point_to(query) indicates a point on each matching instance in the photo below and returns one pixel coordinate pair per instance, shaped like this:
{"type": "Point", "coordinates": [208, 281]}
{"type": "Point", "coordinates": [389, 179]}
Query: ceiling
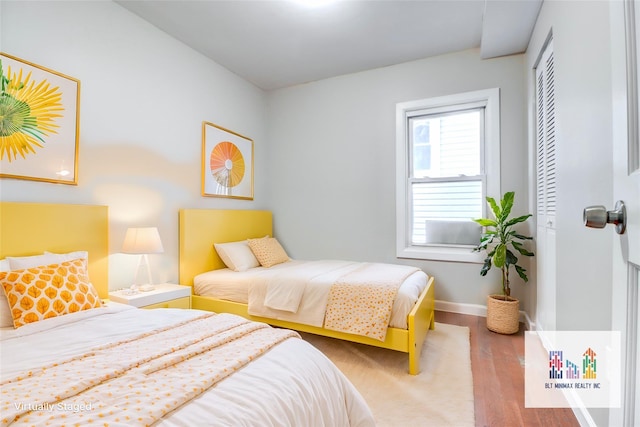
{"type": "Point", "coordinates": [275, 44]}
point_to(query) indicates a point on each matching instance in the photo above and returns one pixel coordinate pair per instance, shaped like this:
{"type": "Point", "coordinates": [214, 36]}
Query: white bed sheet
{"type": "Point", "coordinates": [236, 286]}
{"type": "Point", "coordinates": [292, 384]}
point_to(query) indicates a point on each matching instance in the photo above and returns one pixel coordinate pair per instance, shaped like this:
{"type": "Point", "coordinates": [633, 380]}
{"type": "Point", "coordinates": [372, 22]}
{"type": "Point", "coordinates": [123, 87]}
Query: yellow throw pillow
{"type": "Point", "coordinates": [48, 291]}
{"type": "Point", "coordinates": [268, 251]}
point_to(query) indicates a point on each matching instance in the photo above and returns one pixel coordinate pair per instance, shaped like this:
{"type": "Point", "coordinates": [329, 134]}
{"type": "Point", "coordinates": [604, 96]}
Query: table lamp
{"type": "Point", "coordinates": [143, 241]}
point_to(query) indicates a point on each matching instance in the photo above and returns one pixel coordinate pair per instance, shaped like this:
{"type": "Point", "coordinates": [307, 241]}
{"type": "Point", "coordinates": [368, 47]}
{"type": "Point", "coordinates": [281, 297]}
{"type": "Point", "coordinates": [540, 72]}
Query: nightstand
{"type": "Point", "coordinates": [165, 295]}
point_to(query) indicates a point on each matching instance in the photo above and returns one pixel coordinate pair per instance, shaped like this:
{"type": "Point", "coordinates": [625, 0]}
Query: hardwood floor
{"type": "Point", "coordinates": [497, 362]}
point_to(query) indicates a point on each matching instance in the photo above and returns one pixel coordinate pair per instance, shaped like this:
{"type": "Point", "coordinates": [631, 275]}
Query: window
{"type": "Point", "coordinates": [448, 160]}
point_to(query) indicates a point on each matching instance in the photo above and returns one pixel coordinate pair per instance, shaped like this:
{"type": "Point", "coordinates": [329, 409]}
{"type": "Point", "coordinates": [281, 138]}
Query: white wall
{"type": "Point", "coordinates": [325, 167]}
{"type": "Point", "coordinates": [332, 161]}
{"type": "Point", "coordinates": [581, 37]}
{"type": "Point", "coordinates": [144, 96]}
{"type": "Point", "coordinates": [583, 108]}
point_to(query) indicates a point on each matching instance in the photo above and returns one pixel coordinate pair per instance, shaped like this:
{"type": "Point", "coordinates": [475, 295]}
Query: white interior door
{"type": "Point", "coordinates": [625, 25]}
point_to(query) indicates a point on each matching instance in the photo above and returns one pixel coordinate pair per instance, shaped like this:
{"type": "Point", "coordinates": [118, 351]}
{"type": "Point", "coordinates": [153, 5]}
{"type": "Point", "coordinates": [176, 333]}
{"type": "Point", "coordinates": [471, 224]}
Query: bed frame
{"type": "Point", "coordinates": [201, 228]}
{"type": "Point", "coordinates": [32, 228]}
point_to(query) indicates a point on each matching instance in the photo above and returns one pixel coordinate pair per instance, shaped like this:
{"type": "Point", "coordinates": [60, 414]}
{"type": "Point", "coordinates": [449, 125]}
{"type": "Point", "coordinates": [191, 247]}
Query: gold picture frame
{"type": "Point", "coordinates": [227, 163]}
{"type": "Point", "coordinates": [40, 137]}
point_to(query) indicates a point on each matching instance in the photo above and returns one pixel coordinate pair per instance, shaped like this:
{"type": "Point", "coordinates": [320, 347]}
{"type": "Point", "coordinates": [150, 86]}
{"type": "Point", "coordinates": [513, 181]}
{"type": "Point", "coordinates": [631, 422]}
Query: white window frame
{"type": "Point", "coordinates": [404, 110]}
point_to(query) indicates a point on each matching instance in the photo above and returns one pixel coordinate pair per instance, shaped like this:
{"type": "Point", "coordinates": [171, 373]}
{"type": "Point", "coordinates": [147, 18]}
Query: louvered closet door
{"type": "Point", "coordinates": [546, 140]}
{"type": "Point", "coordinates": [546, 191]}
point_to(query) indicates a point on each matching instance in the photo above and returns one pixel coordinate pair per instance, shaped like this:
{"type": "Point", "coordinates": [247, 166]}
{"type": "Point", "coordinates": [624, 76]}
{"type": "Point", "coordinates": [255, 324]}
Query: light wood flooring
{"type": "Point", "coordinates": [497, 362]}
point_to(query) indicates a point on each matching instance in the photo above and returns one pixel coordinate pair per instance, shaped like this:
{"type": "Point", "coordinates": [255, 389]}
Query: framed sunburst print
{"type": "Point", "coordinates": [39, 122]}
{"type": "Point", "coordinates": [227, 163]}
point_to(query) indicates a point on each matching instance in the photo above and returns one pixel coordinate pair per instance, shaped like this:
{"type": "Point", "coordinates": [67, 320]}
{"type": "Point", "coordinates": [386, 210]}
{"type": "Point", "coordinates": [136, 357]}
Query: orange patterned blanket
{"type": "Point", "coordinates": [360, 302]}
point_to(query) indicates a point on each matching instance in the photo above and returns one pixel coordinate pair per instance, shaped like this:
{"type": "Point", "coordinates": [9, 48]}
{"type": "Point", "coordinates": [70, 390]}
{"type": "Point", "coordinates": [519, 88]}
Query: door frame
{"type": "Point", "coordinates": [626, 132]}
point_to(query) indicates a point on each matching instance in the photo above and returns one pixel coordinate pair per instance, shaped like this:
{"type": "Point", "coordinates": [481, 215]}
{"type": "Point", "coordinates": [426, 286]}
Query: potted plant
{"type": "Point", "coordinates": [501, 244]}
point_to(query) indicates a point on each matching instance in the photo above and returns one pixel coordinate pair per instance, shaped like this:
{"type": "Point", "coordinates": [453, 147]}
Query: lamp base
{"type": "Point", "coordinates": [143, 262]}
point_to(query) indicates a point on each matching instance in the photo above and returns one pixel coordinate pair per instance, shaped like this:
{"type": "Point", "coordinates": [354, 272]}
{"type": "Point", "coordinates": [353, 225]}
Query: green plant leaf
{"type": "Point", "coordinates": [520, 236]}
{"type": "Point", "coordinates": [521, 249]}
{"type": "Point", "coordinates": [486, 239]}
{"type": "Point", "coordinates": [486, 222]}
{"type": "Point", "coordinates": [486, 266]}
{"type": "Point", "coordinates": [488, 235]}
{"type": "Point", "coordinates": [514, 221]}
{"type": "Point", "coordinates": [500, 255]}
{"type": "Point", "coordinates": [510, 258]}
{"type": "Point", "coordinates": [494, 207]}
{"type": "Point", "coordinates": [506, 203]}
{"type": "Point", "coordinates": [480, 247]}
{"type": "Point", "coordinates": [521, 273]}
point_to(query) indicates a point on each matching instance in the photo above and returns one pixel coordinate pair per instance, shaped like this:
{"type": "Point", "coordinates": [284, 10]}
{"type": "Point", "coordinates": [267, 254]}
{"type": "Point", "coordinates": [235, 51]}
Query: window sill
{"type": "Point", "coordinates": [441, 253]}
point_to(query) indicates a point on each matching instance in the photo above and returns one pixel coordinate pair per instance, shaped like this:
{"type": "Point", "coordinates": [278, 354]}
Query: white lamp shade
{"type": "Point", "coordinates": [143, 240]}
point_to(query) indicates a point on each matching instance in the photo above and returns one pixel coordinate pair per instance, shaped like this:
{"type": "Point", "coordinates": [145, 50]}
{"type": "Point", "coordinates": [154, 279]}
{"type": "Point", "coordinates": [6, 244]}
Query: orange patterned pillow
{"type": "Point", "coordinates": [48, 291]}
{"type": "Point", "coordinates": [268, 251]}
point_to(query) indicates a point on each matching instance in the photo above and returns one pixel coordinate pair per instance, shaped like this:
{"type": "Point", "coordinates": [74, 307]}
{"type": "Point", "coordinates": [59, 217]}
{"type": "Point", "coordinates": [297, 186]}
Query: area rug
{"type": "Point", "coordinates": [441, 395]}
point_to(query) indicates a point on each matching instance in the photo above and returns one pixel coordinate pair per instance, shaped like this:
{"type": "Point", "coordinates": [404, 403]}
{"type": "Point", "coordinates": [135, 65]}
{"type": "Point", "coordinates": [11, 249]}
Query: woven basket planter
{"type": "Point", "coordinates": [503, 316]}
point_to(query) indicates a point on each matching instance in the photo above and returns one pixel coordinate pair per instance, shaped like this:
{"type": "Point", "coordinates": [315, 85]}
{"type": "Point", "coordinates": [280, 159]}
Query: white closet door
{"type": "Point", "coordinates": [546, 190]}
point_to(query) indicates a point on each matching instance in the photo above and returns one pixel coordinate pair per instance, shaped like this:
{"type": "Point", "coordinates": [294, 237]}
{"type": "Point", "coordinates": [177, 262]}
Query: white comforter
{"type": "Point", "coordinates": [307, 302]}
{"type": "Point", "coordinates": [291, 384]}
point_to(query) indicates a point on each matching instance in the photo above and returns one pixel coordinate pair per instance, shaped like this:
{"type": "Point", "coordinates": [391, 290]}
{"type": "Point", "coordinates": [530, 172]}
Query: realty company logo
{"type": "Point", "coordinates": [566, 369]}
{"type": "Point", "coordinates": [561, 368]}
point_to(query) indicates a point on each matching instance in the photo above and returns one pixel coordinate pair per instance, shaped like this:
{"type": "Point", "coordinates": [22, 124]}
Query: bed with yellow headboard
{"type": "Point", "coordinates": [116, 351]}
{"type": "Point", "coordinates": [199, 229]}
{"type": "Point", "coordinates": [32, 228]}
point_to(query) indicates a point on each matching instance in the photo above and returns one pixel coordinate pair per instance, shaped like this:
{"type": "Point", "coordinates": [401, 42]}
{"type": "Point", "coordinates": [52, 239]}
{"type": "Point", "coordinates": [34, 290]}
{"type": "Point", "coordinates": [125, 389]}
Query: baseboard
{"type": "Point", "coordinates": [478, 310]}
{"type": "Point", "coordinates": [584, 417]}
{"type": "Point", "coordinates": [461, 308]}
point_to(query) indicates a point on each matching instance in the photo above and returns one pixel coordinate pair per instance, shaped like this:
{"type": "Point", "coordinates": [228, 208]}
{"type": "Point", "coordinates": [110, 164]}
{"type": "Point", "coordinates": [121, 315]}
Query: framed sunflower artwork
{"type": "Point", "coordinates": [227, 163]}
{"type": "Point", "coordinates": [39, 122]}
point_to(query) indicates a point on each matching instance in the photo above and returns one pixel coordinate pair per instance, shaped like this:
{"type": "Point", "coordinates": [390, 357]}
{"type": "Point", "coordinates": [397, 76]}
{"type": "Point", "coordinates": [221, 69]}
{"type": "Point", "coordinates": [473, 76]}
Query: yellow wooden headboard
{"type": "Point", "coordinates": [32, 228]}
{"type": "Point", "coordinates": [201, 228]}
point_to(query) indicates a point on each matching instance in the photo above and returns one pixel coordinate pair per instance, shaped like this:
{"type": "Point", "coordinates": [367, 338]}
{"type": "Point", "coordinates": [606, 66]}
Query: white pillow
{"type": "Point", "coordinates": [69, 256]}
{"type": "Point", "coordinates": [237, 255]}
{"type": "Point", "coordinates": [21, 263]}
{"type": "Point", "coordinates": [6, 319]}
